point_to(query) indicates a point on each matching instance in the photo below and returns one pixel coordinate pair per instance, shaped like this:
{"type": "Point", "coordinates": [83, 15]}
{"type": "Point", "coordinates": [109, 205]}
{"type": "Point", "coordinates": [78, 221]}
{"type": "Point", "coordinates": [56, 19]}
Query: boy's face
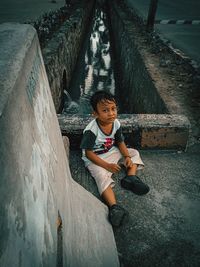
{"type": "Point", "coordinates": [106, 111]}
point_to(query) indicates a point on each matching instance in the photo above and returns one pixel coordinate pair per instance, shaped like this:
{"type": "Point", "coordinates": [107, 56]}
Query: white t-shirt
{"type": "Point", "coordinates": [99, 142]}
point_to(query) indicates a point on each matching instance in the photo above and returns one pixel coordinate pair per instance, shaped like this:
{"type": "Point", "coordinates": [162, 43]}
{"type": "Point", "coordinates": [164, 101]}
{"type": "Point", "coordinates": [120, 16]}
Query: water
{"type": "Point", "coordinates": [94, 68]}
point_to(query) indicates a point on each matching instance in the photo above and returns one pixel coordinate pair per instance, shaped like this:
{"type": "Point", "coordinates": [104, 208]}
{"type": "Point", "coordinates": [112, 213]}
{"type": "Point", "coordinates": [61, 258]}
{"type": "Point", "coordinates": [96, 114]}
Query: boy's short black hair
{"type": "Point", "coordinates": [100, 96]}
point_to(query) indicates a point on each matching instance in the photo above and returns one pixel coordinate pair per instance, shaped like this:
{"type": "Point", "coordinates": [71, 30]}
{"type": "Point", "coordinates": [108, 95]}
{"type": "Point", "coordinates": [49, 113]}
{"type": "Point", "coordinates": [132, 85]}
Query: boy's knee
{"type": "Point", "coordinates": [133, 152]}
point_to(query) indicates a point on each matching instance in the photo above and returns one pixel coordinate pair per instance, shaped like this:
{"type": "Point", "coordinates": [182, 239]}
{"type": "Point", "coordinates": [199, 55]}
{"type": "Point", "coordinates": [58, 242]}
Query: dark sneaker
{"type": "Point", "coordinates": [134, 184]}
{"type": "Point", "coordinates": [117, 215]}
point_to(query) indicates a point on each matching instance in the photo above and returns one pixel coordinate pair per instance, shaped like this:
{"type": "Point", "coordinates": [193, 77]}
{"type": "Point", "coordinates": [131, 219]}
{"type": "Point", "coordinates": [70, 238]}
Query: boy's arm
{"type": "Point", "coordinates": [111, 167]}
{"type": "Point", "coordinates": [124, 151]}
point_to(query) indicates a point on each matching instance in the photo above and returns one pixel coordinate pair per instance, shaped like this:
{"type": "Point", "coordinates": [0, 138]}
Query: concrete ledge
{"type": "Point", "coordinates": [145, 131]}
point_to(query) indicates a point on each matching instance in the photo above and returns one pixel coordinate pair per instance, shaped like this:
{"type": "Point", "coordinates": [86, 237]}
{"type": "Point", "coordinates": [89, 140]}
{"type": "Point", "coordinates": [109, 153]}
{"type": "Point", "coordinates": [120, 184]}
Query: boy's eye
{"type": "Point", "coordinates": [107, 110]}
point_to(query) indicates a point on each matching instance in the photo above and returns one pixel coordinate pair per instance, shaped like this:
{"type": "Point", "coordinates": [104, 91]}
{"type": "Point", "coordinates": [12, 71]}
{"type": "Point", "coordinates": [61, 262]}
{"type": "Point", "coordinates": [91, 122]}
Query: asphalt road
{"type": "Point", "coordinates": [183, 37]}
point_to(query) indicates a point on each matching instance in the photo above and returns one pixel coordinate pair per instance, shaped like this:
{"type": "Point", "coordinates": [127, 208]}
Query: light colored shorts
{"type": "Point", "coordinates": [103, 177]}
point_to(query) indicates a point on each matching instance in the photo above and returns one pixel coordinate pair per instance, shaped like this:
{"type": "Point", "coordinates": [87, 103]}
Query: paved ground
{"type": "Point", "coordinates": [164, 228]}
{"type": "Point", "coordinates": [183, 37]}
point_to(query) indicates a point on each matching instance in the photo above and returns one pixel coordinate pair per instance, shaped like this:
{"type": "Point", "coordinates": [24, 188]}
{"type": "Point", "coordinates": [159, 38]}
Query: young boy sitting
{"type": "Point", "coordinates": [103, 146]}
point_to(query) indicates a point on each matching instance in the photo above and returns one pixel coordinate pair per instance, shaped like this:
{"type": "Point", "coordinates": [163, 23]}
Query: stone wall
{"type": "Point", "coordinates": [36, 186]}
{"type": "Point", "coordinates": [61, 52]}
{"type": "Point", "coordinates": [137, 91]}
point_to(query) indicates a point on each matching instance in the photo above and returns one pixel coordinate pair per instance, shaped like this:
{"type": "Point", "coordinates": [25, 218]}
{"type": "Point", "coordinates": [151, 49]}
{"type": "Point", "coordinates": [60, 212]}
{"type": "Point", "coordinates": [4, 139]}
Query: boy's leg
{"type": "Point", "coordinates": [132, 170]}
{"type": "Point", "coordinates": [131, 181]}
{"type": "Point", "coordinates": [101, 176]}
{"type": "Point", "coordinates": [117, 214]}
{"type": "Point", "coordinates": [137, 161]}
{"type": "Point", "coordinates": [109, 196]}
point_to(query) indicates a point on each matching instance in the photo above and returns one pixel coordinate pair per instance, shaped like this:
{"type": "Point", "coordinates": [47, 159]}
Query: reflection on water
{"type": "Point", "coordinates": [94, 68]}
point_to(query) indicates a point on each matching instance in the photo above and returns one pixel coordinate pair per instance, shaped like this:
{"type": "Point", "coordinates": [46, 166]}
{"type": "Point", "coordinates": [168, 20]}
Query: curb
{"type": "Point", "coordinates": [144, 131]}
{"type": "Point", "coordinates": [177, 22]}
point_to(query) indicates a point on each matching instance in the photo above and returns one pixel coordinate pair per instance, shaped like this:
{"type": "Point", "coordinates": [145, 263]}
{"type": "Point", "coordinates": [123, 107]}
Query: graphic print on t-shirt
{"type": "Point", "coordinates": [106, 146]}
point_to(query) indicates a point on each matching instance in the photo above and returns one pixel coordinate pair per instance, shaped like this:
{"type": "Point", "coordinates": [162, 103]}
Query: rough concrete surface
{"type": "Point", "coordinates": [163, 228]}
{"type": "Point", "coordinates": [35, 180]}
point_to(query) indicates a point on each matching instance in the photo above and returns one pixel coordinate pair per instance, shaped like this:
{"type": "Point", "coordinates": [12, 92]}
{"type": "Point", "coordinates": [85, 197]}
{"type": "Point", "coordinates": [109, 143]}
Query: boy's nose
{"type": "Point", "coordinates": [111, 113]}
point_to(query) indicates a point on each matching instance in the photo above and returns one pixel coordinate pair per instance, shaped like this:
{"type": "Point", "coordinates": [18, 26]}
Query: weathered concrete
{"type": "Point", "coordinates": [61, 52]}
{"type": "Point", "coordinates": [35, 181]}
{"type": "Point", "coordinates": [150, 131]}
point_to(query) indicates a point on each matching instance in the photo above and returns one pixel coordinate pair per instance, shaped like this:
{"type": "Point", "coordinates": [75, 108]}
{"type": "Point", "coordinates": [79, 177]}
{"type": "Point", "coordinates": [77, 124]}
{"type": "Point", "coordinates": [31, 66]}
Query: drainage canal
{"type": "Point", "coordinates": [94, 69]}
{"type": "Point", "coordinates": [128, 78]}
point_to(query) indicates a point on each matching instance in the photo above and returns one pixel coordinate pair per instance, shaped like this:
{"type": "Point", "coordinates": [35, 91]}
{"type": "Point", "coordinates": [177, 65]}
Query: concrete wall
{"type": "Point", "coordinates": [35, 179]}
{"type": "Point", "coordinates": [137, 91]}
{"type": "Point", "coordinates": [61, 53]}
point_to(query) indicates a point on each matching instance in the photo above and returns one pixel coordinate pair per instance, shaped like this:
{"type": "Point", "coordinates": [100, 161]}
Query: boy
{"type": "Point", "coordinates": [103, 146]}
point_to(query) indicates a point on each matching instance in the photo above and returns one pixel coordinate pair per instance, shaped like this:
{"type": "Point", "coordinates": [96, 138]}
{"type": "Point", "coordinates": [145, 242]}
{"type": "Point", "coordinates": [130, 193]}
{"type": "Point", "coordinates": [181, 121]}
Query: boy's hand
{"type": "Point", "coordinates": [112, 167]}
{"type": "Point", "coordinates": [128, 162]}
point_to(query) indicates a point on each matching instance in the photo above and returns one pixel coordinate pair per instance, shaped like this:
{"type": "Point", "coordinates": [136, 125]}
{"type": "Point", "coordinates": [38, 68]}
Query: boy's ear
{"type": "Point", "coordinates": [94, 114]}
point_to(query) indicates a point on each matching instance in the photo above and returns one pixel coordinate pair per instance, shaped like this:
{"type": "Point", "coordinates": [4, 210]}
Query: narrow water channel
{"type": "Point", "coordinates": [94, 69]}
